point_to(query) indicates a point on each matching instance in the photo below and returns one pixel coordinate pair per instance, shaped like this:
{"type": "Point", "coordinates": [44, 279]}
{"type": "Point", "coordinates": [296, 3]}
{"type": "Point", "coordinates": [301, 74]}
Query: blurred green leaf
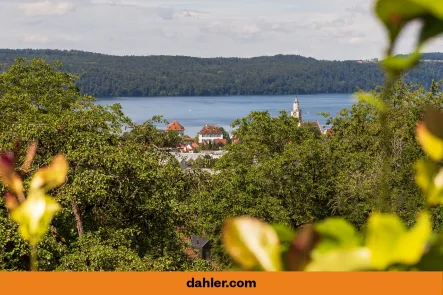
{"type": "Point", "coordinates": [430, 180]}
{"type": "Point", "coordinates": [252, 243]}
{"type": "Point", "coordinates": [284, 233]}
{"type": "Point", "coordinates": [357, 259]}
{"type": "Point", "coordinates": [34, 216]}
{"type": "Point", "coordinates": [398, 64]}
{"type": "Point", "coordinates": [430, 134]}
{"type": "Point", "coordinates": [396, 13]}
{"type": "Point", "coordinates": [336, 233]}
{"type": "Point", "coordinates": [390, 242]}
{"type": "Point", "coordinates": [434, 7]}
{"type": "Point", "coordinates": [51, 176]}
{"type": "Point", "coordinates": [432, 27]}
{"type": "Point", "coordinates": [372, 100]}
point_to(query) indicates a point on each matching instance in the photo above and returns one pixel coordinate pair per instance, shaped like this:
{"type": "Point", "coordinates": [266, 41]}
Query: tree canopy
{"type": "Point", "coordinates": [121, 197]}
{"type": "Point", "coordinates": [110, 76]}
{"type": "Point", "coordinates": [127, 204]}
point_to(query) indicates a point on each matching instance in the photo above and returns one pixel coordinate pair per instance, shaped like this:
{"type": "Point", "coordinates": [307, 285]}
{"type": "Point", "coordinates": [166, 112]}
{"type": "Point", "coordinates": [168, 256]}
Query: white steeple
{"type": "Point", "coordinates": [296, 112]}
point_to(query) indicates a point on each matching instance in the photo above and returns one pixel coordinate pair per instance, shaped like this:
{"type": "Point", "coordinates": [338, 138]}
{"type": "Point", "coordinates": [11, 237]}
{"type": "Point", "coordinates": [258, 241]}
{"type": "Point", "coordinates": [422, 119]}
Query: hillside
{"type": "Point", "coordinates": [104, 75]}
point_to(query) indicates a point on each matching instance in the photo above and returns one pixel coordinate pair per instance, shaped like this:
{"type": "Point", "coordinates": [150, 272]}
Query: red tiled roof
{"type": "Point", "coordinates": [223, 141]}
{"type": "Point", "coordinates": [194, 145]}
{"type": "Point", "coordinates": [175, 126]}
{"type": "Point", "coordinates": [210, 129]}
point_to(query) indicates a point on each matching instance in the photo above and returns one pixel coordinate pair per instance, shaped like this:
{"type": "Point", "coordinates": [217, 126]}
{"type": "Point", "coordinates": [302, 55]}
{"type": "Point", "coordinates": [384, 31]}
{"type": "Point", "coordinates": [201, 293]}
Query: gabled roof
{"type": "Point", "coordinates": [198, 242]}
{"type": "Point", "coordinates": [223, 141]}
{"type": "Point", "coordinates": [314, 125]}
{"type": "Point", "coordinates": [175, 126]}
{"type": "Point", "coordinates": [210, 129]}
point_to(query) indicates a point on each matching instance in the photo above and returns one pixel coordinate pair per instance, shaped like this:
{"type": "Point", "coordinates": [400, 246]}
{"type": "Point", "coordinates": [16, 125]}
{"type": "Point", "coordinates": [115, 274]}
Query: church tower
{"type": "Point", "coordinates": [296, 112]}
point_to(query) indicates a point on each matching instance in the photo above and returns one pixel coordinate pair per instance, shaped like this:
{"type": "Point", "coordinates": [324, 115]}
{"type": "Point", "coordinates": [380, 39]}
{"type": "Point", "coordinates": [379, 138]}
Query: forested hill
{"type": "Point", "coordinates": [104, 75]}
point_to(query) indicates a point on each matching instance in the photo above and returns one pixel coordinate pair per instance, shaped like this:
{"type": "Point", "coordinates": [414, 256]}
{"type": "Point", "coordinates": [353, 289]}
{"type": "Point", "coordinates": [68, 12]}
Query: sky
{"type": "Point", "coordinates": [323, 29]}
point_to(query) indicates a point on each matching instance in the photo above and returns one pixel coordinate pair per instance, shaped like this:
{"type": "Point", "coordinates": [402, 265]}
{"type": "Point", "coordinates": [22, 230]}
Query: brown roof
{"type": "Point", "coordinates": [223, 141]}
{"type": "Point", "coordinates": [210, 129]}
{"type": "Point", "coordinates": [175, 126]}
{"type": "Point", "coordinates": [313, 124]}
{"type": "Point", "coordinates": [194, 145]}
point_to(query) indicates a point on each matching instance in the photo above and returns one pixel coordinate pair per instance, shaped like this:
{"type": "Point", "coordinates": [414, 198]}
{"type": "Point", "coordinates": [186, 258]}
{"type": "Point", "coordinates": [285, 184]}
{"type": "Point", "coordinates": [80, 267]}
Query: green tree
{"type": "Point", "coordinates": [112, 183]}
{"type": "Point", "coordinates": [148, 134]}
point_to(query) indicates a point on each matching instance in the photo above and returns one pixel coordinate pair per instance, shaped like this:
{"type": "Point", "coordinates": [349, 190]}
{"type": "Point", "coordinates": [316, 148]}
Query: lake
{"type": "Point", "coordinates": [195, 112]}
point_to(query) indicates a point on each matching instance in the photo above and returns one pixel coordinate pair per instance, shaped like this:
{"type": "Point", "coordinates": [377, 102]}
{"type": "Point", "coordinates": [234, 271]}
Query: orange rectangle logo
{"type": "Point", "coordinates": [222, 283]}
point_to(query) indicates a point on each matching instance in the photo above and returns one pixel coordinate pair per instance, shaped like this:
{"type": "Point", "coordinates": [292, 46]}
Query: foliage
{"type": "Point", "coordinates": [205, 162]}
{"type": "Point", "coordinates": [386, 243]}
{"type": "Point", "coordinates": [114, 182]}
{"type": "Point", "coordinates": [148, 134]}
{"type": "Point", "coordinates": [34, 213]}
{"type": "Point", "coordinates": [106, 76]}
{"type": "Point", "coordinates": [354, 195]}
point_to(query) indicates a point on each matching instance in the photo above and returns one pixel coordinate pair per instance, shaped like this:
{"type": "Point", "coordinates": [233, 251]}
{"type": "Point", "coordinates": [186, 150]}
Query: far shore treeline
{"type": "Point", "coordinates": [112, 76]}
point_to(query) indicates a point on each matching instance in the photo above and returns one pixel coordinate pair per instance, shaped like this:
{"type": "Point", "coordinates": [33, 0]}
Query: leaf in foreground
{"type": "Point", "coordinates": [252, 243]}
{"type": "Point", "coordinates": [357, 259]}
{"type": "Point", "coordinates": [51, 176]}
{"type": "Point", "coordinates": [430, 134]}
{"type": "Point", "coordinates": [430, 179]}
{"type": "Point", "coordinates": [34, 217]}
{"type": "Point", "coordinates": [390, 242]}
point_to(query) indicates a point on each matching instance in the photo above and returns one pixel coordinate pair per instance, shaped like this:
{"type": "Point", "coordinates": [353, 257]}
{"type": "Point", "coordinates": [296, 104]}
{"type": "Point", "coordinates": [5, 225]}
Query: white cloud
{"type": "Point", "coordinates": [356, 40]}
{"type": "Point", "coordinates": [324, 29]}
{"type": "Point", "coordinates": [36, 39]}
{"type": "Point", "coordinates": [46, 7]}
{"type": "Point", "coordinates": [193, 14]}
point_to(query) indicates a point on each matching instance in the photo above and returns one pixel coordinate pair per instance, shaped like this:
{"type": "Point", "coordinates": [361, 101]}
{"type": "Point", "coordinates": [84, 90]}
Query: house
{"type": "Point", "coordinates": [188, 148]}
{"type": "Point", "coordinates": [210, 133]}
{"type": "Point", "coordinates": [175, 126]}
{"type": "Point", "coordinates": [315, 125]}
{"type": "Point", "coordinates": [203, 247]}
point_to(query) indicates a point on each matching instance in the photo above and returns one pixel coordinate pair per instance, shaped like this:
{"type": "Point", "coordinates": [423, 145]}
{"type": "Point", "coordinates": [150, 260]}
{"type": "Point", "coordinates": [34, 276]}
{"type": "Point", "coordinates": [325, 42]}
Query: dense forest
{"type": "Point", "coordinates": [128, 206]}
{"type": "Point", "coordinates": [108, 76]}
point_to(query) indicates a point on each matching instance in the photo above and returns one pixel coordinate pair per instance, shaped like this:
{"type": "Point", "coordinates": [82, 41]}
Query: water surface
{"type": "Point", "coordinates": [195, 112]}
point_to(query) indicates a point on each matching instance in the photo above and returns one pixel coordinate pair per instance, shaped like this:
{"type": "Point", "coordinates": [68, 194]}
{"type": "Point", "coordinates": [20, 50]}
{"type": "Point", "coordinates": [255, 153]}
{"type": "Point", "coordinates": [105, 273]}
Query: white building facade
{"type": "Point", "coordinates": [209, 133]}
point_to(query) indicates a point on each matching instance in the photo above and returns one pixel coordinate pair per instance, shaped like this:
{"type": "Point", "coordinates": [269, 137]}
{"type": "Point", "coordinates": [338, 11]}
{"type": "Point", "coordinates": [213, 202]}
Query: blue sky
{"type": "Point", "coordinates": [324, 29]}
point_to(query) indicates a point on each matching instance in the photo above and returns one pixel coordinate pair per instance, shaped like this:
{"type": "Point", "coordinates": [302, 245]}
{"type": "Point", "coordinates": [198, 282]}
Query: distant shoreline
{"type": "Point", "coordinates": [177, 76]}
{"type": "Point", "coordinates": [215, 96]}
